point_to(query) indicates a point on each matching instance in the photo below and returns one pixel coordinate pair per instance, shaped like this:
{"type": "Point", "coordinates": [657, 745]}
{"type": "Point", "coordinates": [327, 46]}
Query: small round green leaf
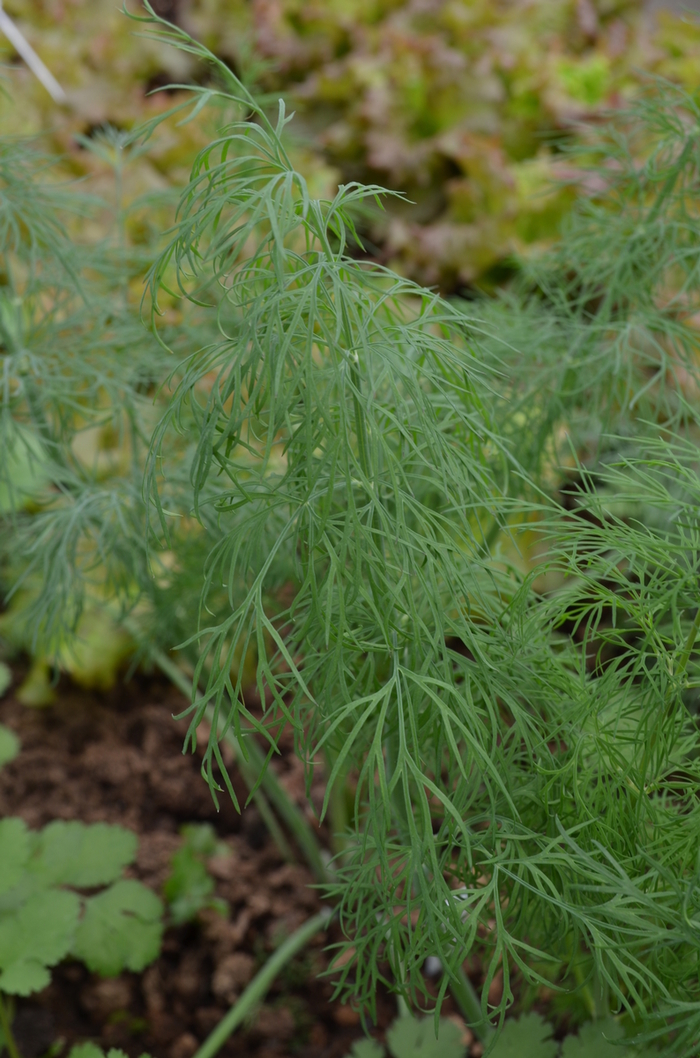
{"type": "Point", "coordinates": [189, 886]}
{"type": "Point", "coordinates": [411, 1037]}
{"type": "Point", "coordinates": [121, 929]}
{"type": "Point", "coordinates": [594, 1041]}
{"type": "Point", "coordinates": [23, 977]}
{"type": "Point", "coordinates": [91, 1050]}
{"type": "Point", "coordinates": [75, 854]}
{"type": "Point", "coordinates": [87, 1050]}
{"type": "Point", "coordinates": [367, 1049]}
{"type": "Point", "coordinates": [528, 1036]}
{"type": "Point", "coordinates": [41, 930]}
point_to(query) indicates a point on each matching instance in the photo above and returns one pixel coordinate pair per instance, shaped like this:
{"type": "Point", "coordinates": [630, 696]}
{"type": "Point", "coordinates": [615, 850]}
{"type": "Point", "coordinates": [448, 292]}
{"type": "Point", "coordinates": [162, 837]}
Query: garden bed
{"type": "Point", "coordinates": [117, 758]}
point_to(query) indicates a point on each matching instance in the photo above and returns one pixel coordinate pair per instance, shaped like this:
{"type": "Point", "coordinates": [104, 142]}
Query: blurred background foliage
{"type": "Point", "coordinates": [465, 105]}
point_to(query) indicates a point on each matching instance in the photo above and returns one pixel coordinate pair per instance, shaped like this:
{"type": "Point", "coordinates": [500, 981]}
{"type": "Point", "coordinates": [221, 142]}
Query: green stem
{"type": "Point", "coordinates": [290, 813]}
{"type": "Point", "coordinates": [689, 644]}
{"type": "Point", "coordinates": [469, 1003]}
{"type": "Point", "coordinates": [257, 988]}
{"type": "Point", "coordinates": [338, 809]}
{"type": "Point", "coordinates": [585, 990]}
{"type": "Point", "coordinates": [670, 181]}
{"type": "Point", "coordinates": [251, 769]}
{"type": "Point", "coordinates": [178, 677]}
{"type": "Point", "coordinates": [267, 815]}
{"type": "Point", "coordinates": [601, 997]}
{"type": "Point", "coordinates": [7, 1030]}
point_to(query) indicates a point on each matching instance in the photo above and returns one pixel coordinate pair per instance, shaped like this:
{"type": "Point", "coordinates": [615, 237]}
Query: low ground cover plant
{"type": "Point", "coordinates": [455, 545]}
{"type": "Point", "coordinates": [62, 894]}
{"type": "Point", "coordinates": [528, 1036]}
{"type": "Point", "coordinates": [42, 918]}
{"type": "Point", "coordinates": [189, 887]}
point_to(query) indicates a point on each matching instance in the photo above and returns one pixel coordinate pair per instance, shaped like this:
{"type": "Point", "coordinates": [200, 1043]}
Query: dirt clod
{"type": "Point", "coordinates": [232, 975]}
{"type": "Point", "coordinates": [184, 1046]}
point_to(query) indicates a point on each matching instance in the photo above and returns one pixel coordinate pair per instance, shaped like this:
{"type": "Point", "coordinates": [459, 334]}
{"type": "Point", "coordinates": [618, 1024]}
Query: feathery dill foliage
{"type": "Point", "coordinates": [78, 374]}
{"type": "Point", "coordinates": [462, 546]}
{"type": "Point", "coordinates": [65, 370]}
{"type": "Point", "coordinates": [523, 744]}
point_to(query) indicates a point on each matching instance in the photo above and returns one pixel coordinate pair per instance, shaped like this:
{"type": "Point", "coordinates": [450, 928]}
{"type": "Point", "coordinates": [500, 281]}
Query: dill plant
{"type": "Point", "coordinates": [503, 665]}
{"type": "Point", "coordinates": [460, 544]}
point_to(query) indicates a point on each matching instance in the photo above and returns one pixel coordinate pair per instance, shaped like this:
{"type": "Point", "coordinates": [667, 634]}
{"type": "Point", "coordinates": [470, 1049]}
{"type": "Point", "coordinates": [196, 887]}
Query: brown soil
{"type": "Point", "coordinates": [117, 758]}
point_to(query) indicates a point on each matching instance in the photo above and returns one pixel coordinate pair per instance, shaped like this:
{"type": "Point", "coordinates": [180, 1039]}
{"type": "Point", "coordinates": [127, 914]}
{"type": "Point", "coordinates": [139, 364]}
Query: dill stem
{"type": "Point", "coordinates": [680, 670]}
{"type": "Point", "coordinates": [402, 1007]}
{"type": "Point", "coordinates": [180, 680]}
{"type": "Point", "coordinates": [257, 988]}
{"type": "Point", "coordinates": [251, 771]}
{"type": "Point", "coordinates": [689, 644]}
{"type": "Point", "coordinates": [670, 181]}
{"type": "Point", "coordinates": [287, 809]}
{"type": "Point", "coordinates": [468, 1002]}
{"type": "Point", "coordinates": [6, 1028]}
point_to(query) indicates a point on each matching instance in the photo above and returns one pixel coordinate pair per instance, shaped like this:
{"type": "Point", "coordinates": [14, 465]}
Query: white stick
{"type": "Point", "coordinates": [26, 51]}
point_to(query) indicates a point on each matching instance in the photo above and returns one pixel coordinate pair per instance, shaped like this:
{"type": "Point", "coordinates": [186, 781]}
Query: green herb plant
{"type": "Point", "coordinates": [189, 887]}
{"type": "Point", "coordinates": [43, 919]}
{"type": "Point", "coordinates": [79, 372]}
{"type": "Point", "coordinates": [514, 731]}
{"type": "Point", "coordinates": [528, 1036]}
{"type": "Point", "coordinates": [91, 1050]}
{"type": "Point", "coordinates": [458, 542]}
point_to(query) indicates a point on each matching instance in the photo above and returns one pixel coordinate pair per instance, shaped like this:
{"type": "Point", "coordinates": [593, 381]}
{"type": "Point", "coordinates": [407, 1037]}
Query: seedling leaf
{"type": "Point", "coordinates": [121, 929]}
{"type": "Point", "coordinates": [201, 838]}
{"type": "Point", "coordinates": [593, 1041]}
{"type": "Point", "coordinates": [411, 1037]}
{"type": "Point", "coordinates": [189, 887]}
{"type": "Point", "coordinates": [39, 934]}
{"type": "Point", "coordinates": [84, 856]}
{"type": "Point", "coordinates": [528, 1036]}
{"type": "Point", "coordinates": [91, 1050]}
{"type": "Point", "coordinates": [14, 852]}
{"type": "Point", "coordinates": [23, 977]}
{"type": "Point", "coordinates": [367, 1049]}
{"type": "Point", "coordinates": [88, 1050]}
